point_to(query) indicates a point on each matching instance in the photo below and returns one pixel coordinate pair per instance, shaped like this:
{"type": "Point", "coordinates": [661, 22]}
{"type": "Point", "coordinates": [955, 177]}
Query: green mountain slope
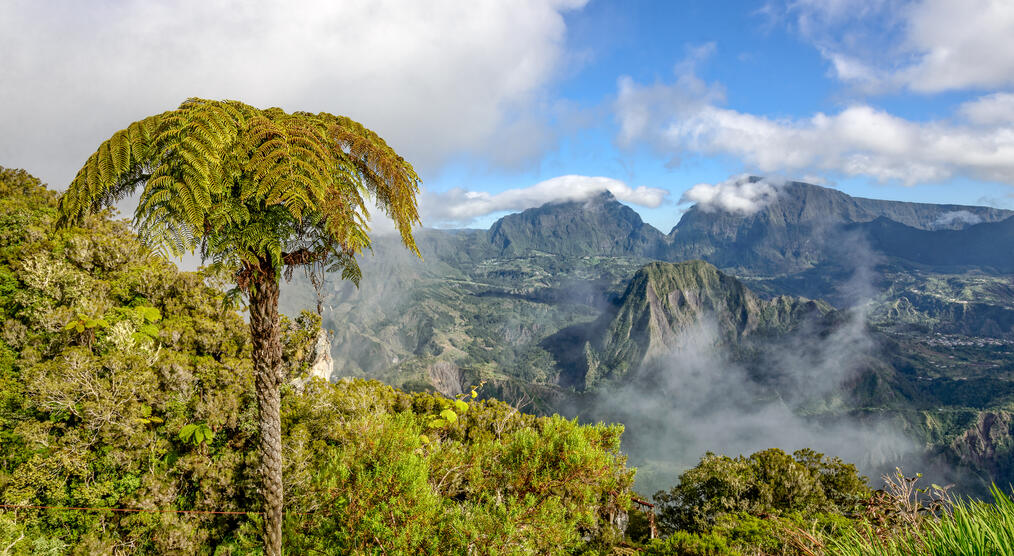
{"type": "Point", "coordinates": [556, 306]}
{"type": "Point", "coordinates": [664, 300]}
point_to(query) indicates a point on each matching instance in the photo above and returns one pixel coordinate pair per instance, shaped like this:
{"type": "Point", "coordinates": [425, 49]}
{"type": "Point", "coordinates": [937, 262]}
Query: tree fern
{"type": "Point", "coordinates": [259, 191]}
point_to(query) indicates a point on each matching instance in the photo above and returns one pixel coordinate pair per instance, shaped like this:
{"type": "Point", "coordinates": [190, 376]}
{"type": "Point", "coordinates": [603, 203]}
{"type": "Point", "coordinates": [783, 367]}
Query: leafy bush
{"type": "Point", "coordinates": [683, 543]}
{"type": "Point", "coordinates": [769, 482]}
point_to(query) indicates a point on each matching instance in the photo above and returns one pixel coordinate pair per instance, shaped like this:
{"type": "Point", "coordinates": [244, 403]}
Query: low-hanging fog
{"type": "Point", "coordinates": [790, 392]}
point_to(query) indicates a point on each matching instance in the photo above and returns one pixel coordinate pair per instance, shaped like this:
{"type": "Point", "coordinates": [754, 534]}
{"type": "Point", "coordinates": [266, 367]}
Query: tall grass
{"type": "Point", "coordinates": [966, 528]}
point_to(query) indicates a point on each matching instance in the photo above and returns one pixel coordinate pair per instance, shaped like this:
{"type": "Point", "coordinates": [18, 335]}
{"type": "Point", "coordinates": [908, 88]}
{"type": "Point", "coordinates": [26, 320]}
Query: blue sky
{"type": "Point", "coordinates": [506, 105]}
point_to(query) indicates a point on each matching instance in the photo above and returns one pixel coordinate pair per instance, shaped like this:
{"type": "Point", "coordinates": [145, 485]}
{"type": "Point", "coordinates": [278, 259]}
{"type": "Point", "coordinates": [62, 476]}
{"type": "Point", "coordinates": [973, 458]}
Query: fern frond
{"type": "Point", "coordinates": [243, 184]}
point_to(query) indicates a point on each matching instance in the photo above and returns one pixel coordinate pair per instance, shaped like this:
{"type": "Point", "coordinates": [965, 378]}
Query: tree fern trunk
{"type": "Point", "coordinates": [265, 332]}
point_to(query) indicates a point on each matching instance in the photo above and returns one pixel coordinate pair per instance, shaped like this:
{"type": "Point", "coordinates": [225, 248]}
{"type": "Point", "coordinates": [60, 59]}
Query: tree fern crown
{"type": "Point", "coordinates": [244, 185]}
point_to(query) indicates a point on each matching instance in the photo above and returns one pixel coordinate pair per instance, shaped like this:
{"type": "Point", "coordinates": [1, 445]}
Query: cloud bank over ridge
{"type": "Point", "coordinates": [739, 194]}
{"type": "Point", "coordinates": [462, 207]}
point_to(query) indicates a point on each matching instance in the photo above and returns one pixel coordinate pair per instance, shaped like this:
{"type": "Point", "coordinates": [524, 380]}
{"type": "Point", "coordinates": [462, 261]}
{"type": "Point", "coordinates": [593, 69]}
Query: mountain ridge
{"type": "Point", "coordinates": [664, 301]}
{"type": "Point", "coordinates": [600, 225]}
{"type": "Point", "coordinates": [791, 233]}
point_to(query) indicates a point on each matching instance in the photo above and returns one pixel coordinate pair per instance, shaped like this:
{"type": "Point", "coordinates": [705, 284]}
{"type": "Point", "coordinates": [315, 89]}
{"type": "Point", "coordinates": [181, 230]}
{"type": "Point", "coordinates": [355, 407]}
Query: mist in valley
{"type": "Point", "coordinates": [789, 392]}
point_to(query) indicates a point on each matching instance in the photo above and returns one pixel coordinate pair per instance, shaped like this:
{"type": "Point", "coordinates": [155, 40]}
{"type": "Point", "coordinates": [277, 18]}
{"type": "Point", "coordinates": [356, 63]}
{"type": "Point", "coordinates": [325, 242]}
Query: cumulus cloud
{"type": "Point", "coordinates": [960, 44]}
{"type": "Point", "coordinates": [461, 207]}
{"type": "Point", "coordinates": [926, 46]}
{"type": "Point", "coordinates": [859, 140]}
{"type": "Point", "coordinates": [994, 109]}
{"type": "Point", "coordinates": [956, 219]}
{"type": "Point", "coordinates": [435, 79]}
{"type": "Point", "coordinates": [740, 194]}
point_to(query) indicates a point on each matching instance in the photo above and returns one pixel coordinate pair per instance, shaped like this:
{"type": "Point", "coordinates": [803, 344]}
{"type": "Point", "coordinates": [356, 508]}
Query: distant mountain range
{"type": "Point", "coordinates": [789, 234]}
{"type": "Point", "coordinates": [563, 304]}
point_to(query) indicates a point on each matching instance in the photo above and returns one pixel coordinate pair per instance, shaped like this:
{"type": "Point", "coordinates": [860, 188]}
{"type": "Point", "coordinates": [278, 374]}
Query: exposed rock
{"type": "Point", "coordinates": [323, 364]}
{"type": "Point", "coordinates": [988, 444]}
{"type": "Point", "coordinates": [446, 377]}
{"type": "Point", "coordinates": [597, 226]}
{"type": "Point", "coordinates": [664, 301]}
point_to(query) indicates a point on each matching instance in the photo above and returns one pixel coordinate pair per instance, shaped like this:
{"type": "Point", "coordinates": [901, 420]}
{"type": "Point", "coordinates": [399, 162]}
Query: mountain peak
{"type": "Point", "coordinates": [667, 305]}
{"type": "Point", "coordinates": [599, 225]}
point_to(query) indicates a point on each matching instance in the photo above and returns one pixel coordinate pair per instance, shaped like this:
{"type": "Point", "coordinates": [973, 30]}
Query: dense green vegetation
{"type": "Point", "coordinates": [768, 483]}
{"type": "Point", "coordinates": [760, 503]}
{"type": "Point", "coordinates": [774, 503]}
{"type": "Point", "coordinates": [129, 384]}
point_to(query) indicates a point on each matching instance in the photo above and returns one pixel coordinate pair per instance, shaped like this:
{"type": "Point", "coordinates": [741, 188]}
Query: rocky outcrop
{"type": "Point", "coordinates": [446, 378]}
{"type": "Point", "coordinates": [664, 304]}
{"type": "Point", "coordinates": [323, 364]}
{"type": "Point", "coordinates": [988, 445]}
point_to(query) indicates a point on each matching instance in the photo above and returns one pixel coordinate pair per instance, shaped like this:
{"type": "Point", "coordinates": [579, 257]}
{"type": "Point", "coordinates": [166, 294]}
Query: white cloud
{"type": "Point", "coordinates": [961, 44]}
{"type": "Point", "coordinates": [926, 46]}
{"type": "Point", "coordinates": [739, 194]}
{"type": "Point", "coordinates": [640, 104]}
{"type": "Point", "coordinates": [857, 141]}
{"type": "Point", "coordinates": [436, 79]}
{"type": "Point", "coordinates": [461, 207]}
{"type": "Point", "coordinates": [997, 108]}
{"type": "Point", "coordinates": [956, 219]}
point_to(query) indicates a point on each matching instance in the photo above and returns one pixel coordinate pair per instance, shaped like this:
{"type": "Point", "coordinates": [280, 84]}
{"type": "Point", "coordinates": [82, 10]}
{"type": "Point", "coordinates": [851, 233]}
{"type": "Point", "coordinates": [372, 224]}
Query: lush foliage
{"type": "Point", "coordinates": [245, 184]}
{"type": "Point", "coordinates": [805, 504]}
{"type": "Point", "coordinates": [770, 482]}
{"type": "Point", "coordinates": [260, 192]}
{"type": "Point", "coordinates": [149, 404]}
{"type": "Point", "coordinates": [683, 543]}
{"type": "Point", "coordinates": [769, 502]}
{"type": "Point", "coordinates": [495, 478]}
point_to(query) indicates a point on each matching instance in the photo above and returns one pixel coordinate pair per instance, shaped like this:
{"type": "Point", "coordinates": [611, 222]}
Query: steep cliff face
{"type": "Point", "coordinates": [988, 446]}
{"type": "Point", "coordinates": [987, 244]}
{"type": "Point", "coordinates": [446, 378]}
{"type": "Point", "coordinates": [665, 302]}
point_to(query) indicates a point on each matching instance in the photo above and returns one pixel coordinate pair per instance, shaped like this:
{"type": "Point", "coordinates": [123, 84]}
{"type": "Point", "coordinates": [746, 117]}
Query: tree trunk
{"type": "Point", "coordinates": [266, 334]}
